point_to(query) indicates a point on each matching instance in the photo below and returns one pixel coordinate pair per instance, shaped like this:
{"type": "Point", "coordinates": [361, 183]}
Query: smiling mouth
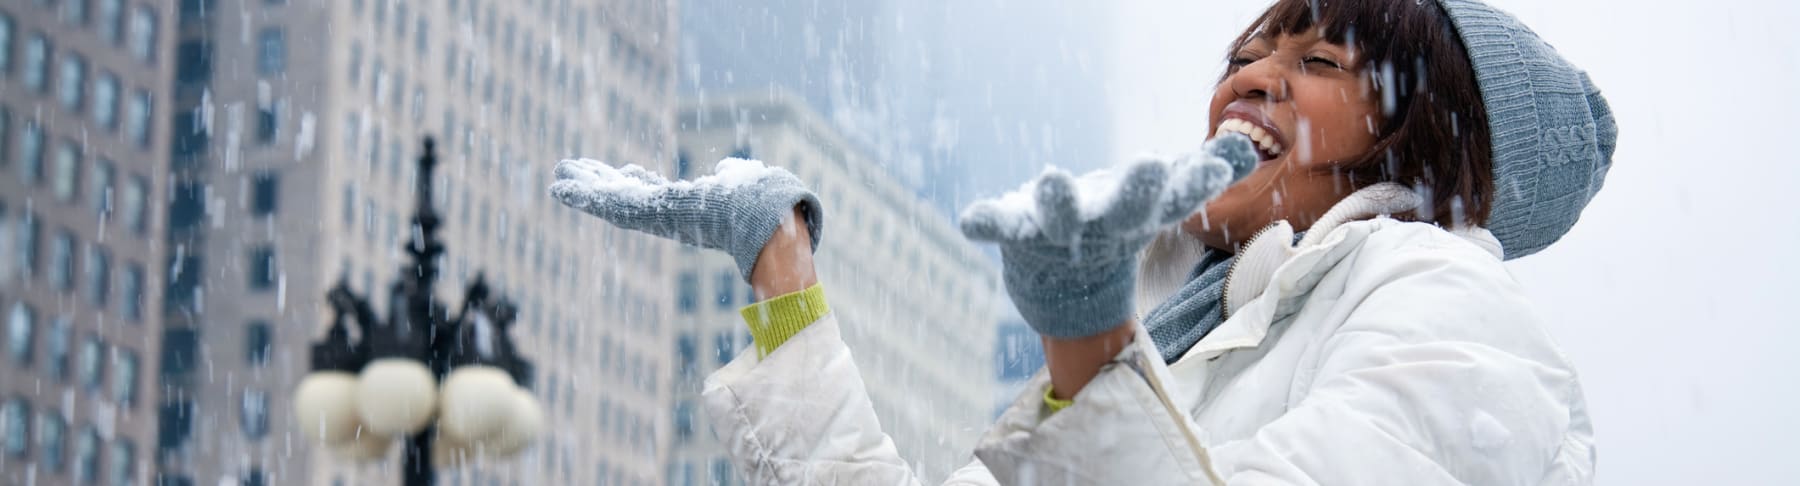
{"type": "Point", "coordinates": [1268, 145]}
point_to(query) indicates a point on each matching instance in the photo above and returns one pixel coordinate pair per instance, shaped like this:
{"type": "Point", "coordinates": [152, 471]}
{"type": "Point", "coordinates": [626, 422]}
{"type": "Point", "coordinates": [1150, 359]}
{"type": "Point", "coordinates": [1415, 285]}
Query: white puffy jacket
{"type": "Point", "coordinates": [1375, 351]}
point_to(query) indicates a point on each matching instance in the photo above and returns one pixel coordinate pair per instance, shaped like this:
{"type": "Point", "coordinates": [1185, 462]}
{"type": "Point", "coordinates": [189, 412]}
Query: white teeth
{"type": "Point", "coordinates": [1262, 137]}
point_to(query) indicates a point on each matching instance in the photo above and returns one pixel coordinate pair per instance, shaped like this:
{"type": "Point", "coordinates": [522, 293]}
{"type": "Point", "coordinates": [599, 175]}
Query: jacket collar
{"type": "Point", "coordinates": [1270, 272]}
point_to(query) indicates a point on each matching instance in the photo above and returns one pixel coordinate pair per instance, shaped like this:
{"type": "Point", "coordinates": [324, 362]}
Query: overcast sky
{"type": "Point", "coordinates": [1675, 294]}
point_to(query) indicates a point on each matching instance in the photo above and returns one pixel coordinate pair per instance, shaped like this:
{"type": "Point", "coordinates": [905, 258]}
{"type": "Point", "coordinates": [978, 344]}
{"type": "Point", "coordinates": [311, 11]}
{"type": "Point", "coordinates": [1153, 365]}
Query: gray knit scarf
{"type": "Point", "coordinates": [1179, 322]}
{"type": "Point", "coordinates": [1193, 311]}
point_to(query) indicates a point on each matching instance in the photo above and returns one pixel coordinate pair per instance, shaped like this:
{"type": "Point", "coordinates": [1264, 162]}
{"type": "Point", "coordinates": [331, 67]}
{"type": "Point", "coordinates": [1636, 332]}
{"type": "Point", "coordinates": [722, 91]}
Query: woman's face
{"type": "Point", "coordinates": [1309, 107]}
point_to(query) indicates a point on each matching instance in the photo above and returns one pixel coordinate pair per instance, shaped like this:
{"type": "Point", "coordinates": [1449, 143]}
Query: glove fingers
{"type": "Point", "coordinates": [1058, 207]}
{"type": "Point", "coordinates": [1196, 180]}
{"type": "Point", "coordinates": [1236, 151]}
{"type": "Point", "coordinates": [578, 170]}
{"type": "Point", "coordinates": [636, 172]}
{"type": "Point", "coordinates": [1138, 193]}
{"type": "Point", "coordinates": [574, 194]}
{"type": "Point", "coordinates": [986, 220]}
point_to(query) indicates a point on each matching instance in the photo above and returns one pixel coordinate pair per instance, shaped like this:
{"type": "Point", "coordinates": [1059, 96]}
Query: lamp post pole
{"type": "Point", "coordinates": [420, 328]}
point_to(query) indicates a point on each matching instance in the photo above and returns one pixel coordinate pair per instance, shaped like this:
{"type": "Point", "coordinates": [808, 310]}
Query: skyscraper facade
{"type": "Point", "coordinates": [84, 97]}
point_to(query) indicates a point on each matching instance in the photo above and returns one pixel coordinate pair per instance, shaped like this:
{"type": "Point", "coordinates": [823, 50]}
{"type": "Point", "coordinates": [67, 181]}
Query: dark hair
{"type": "Point", "coordinates": [1434, 136]}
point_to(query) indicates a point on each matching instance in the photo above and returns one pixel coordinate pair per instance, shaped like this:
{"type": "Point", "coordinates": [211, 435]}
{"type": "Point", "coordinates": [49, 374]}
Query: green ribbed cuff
{"type": "Point", "coordinates": [1054, 404]}
{"type": "Point", "coordinates": [775, 320]}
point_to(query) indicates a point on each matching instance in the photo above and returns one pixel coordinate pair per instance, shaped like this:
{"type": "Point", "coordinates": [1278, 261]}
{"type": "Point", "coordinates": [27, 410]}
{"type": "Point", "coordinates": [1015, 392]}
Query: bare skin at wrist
{"type": "Point", "coordinates": [1074, 362]}
{"type": "Point", "coordinates": [785, 264]}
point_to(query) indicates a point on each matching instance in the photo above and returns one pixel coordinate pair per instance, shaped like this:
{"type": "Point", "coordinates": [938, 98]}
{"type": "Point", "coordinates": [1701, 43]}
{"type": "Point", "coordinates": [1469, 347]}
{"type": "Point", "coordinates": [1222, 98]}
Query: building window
{"type": "Point", "coordinates": [257, 343]}
{"type": "Point", "coordinates": [264, 193]}
{"type": "Point", "coordinates": [37, 64]}
{"type": "Point", "coordinates": [137, 118]}
{"type": "Point", "coordinates": [122, 462]}
{"type": "Point", "coordinates": [726, 289]}
{"type": "Point", "coordinates": [98, 269]}
{"type": "Point", "coordinates": [133, 205]}
{"type": "Point", "coordinates": [90, 362]}
{"type": "Point", "coordinates": [193, 62]}
{"type": "Point", "coordinates": [21, 324]}
{"type": "Point", "coordinates": [75, 12]}
{"type": "Point", "coordinates": [62, 261]}
{"type": "Point", "coordinates": [687, 352]}
{"type": "Point", "coordinates": [72, 81]}
{"type": "Point", "coordinates": [254, 418]}
{"type": "Point", "coordinates": [268, 120]}
{"type": "Point", "coordinates": [15, 426]}
{"type": "Point", "coordinates": [87, 456]}
{"type": "Point", "coordinates": [6, 44]}
{"type": "Point", "coordinates": [125, 376]}
{"type": "Point", "coordinates": [272, 51]}
{"type": "Point", "coordinates": [254, 477]}
{"type": "Point", "coordinates": [687, 298]}
{"type": "Point", "coordinates": [106, 100]}
{"type": "Point", "coordinates": [68, 171]}
{"type": "Point", "coordinates": [56, 363]}
{"type": "Point", "coordinates": [112, 12]}
{"type": "Point", "coordinates": [349, 204]}
{"type": "Point", "coordinates": [262, 268]}
{"type": "Point", "coordinates": [31, 154]}
{"type": "Point", "coordinates": [131, 289]}
{"type": "Point", "coordinates": [356, 58]}
{"type": "Point", "coordinates": [721, 472]}
{"type": "Point", "coordinates": [684, 421]}
{"type": "Point", "coordinates": [28, 244]}
{"type": "Point", "coordinates": [50, 431]}
{"type": "Point", "coordinates": [724, 347]}
{"type": "Point", "coordinates": [100, 188]}
{"type": "Point", "coordinates": [143, 33]}
{"type": "Point", "coordinates": [180, 352]}
{"type": "Point", "coordinates": [421, 39]}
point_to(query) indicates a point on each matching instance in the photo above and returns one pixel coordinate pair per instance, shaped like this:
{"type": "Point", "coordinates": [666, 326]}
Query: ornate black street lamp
{"type": "Point", "coordinates": [453, 386]}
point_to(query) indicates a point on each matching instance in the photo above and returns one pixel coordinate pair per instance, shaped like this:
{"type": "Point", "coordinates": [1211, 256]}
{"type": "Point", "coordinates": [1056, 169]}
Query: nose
{"type": "Point", "coordinates": [1262, 80]}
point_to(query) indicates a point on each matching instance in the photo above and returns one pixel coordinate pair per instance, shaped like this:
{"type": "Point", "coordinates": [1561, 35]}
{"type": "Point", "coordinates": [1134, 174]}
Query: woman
{"type": "Point", "coordinates": [1340, 315]}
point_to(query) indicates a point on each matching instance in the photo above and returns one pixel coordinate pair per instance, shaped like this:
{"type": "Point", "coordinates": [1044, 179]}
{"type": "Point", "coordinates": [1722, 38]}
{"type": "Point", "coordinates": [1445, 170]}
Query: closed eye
{"type": "Point", "coordinates": [1320, 61]}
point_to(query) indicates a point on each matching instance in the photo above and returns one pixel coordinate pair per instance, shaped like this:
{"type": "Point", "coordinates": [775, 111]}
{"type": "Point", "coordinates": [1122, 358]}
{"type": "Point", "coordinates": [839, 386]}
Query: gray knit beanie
{"type": "Point", "coordinates": [1553, 134]}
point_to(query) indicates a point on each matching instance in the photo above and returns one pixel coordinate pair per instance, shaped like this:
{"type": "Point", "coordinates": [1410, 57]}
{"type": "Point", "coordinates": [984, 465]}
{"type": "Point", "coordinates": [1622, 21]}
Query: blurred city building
{"type": "Point", "coordinates": [186, 179]}
{"type": "Point", "coordinates": [84, 123]}
{"type": "Point", "coordinates": [1018, 355]}
{"type": "Point", "coordinates": [959, 99]}
{"type": "Point", "coordinates": [917, 302]}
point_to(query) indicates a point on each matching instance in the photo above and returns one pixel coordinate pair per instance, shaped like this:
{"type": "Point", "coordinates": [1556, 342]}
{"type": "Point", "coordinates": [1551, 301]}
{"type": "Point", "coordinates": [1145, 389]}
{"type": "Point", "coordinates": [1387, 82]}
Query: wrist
{"type": "Point", "coordinates": [785, 263]}
{"type": "Point", "coordinates": [1072, 363]}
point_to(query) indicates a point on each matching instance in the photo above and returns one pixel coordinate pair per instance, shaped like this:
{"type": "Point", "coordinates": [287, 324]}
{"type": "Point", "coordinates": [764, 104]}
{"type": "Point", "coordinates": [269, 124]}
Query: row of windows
{"type": "Point", "coordinates": [725, 344]}
{"type": "Point", "coordinates": [109, 21]}
{"type": "Point", "coordinates": [686, 473]}
{"type": "Point", "coordinates": [727, 287]}
{"type": "Point", "coordinates": [50, 432]}
{"type": "Point", "coordinates": [92, 359]}
{"type": "Point", "coordinates": [60, 271]}
{"type": "Point", "coordinates": [100, 97]}
{"type": "Point", "coordinates": [67, 170]}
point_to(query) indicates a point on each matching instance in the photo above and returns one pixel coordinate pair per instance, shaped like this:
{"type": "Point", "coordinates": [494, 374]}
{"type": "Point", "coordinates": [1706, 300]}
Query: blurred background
{"type": "Point", "coordinates": [184, 180]}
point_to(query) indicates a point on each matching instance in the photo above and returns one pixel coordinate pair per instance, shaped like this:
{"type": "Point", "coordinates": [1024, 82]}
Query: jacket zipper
{"type": "Point", "coordinates": [1231, 274]}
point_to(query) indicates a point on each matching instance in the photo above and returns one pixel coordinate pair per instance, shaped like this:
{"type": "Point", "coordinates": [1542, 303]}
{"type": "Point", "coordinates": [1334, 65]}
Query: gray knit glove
{"type": "Point", "coordinates": [1069, 246]}
{"type": "Point", "coordinates": [736, 209]}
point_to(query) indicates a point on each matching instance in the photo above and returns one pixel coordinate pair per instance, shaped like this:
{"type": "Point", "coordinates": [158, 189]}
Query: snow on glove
{"type": "Point", "coordinates": [736, 209]}
{"type": "Point", "coordinates": [1069, 245]}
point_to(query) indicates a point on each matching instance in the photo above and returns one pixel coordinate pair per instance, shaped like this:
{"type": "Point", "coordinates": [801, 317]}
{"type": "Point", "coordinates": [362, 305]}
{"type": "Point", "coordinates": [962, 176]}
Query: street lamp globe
{"type": "Point", "coordinates": [396, 396]}
{"type": "Point", "coordinates": [325, 407]}
{"type": "Point", "coordinates": [524, 424]}
{"type": "Point", "coordinates": [478, 401]}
